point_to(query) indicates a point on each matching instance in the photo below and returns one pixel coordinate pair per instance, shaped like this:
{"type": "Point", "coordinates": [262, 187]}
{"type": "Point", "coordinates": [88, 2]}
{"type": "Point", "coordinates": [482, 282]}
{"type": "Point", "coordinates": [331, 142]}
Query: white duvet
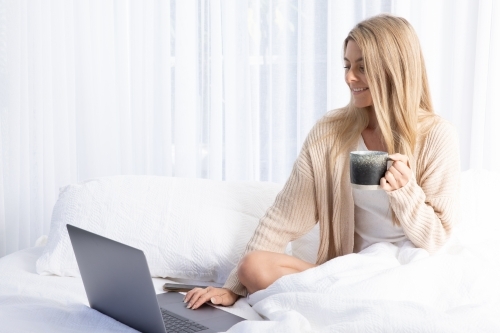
{"type": "Point", "coordinates": [387, 289]}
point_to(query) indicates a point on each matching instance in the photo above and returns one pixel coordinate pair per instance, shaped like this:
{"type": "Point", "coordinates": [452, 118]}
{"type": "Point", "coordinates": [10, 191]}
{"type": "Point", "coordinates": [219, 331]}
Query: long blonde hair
{"type": "Point", "coordinates": [396, 74]}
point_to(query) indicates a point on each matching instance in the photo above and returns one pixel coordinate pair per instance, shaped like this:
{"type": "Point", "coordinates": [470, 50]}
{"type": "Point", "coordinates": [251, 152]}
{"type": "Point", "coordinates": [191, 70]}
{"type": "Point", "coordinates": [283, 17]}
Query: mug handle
{"type": "Point", "coordinates": [389, 162]}
{"type": "Point", "coordinates": [388, 159]}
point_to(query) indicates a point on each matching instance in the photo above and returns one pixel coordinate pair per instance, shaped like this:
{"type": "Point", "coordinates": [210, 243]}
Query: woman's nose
{"type": "Point", "coordinates": [350, 76]}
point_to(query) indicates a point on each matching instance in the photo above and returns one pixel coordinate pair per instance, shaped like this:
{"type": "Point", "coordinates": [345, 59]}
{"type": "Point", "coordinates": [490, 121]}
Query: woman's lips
{"type": "Point", "coordinates": [357, 91]}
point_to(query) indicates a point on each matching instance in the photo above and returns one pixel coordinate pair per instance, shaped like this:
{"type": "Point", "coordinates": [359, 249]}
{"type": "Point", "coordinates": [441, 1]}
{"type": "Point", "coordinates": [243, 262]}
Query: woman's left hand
{"type": "Point", "coordinates": [398, 174]}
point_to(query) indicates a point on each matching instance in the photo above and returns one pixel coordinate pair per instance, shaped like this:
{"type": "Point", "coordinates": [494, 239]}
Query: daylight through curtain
{"type": "Point", "coordinates": [217, 89]}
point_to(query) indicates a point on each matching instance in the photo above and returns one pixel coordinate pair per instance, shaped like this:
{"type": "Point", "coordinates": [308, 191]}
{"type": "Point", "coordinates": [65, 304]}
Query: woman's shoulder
{"type": "Point", "coordinates": [325, 126]}
{"type": "Point", "coordinates": [441, 128]}
{"type": "Point", "coordinates": [333, 115]}
{"type": "Point", "coordinates": [440, 135]}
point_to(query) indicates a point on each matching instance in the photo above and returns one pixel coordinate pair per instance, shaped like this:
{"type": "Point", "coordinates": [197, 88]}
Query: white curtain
{"type": "Point", "coordinates": [220, 89]}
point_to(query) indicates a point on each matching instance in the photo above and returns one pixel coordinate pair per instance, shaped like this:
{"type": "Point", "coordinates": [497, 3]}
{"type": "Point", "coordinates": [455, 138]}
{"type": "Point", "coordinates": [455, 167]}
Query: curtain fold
{"type": "Point", "coordinates": [218, 89]}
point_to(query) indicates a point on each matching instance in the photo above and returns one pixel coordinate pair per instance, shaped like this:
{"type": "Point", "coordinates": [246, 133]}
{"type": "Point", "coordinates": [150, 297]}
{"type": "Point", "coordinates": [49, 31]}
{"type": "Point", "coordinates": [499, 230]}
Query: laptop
{"type": "Point", "coordinates": [118, 284]}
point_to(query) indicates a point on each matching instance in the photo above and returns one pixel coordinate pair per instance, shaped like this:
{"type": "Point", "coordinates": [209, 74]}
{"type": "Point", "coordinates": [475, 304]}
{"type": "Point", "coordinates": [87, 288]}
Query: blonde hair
{"type": "Point", "coordinates": [396, 74]}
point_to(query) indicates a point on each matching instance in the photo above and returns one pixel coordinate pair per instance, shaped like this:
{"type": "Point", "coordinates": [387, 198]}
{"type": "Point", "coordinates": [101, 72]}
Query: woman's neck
{"type": "Point", "coordinates": [372, 118]}
{"type": "Point", "coordinates": [371, 135]}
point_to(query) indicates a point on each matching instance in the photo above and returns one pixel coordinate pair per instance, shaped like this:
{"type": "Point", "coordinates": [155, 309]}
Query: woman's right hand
{"type": "Point", "coordinates": [218, 296]}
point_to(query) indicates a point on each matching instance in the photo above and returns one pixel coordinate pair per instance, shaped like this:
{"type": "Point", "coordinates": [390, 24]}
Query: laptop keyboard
{"type": "Point", "coordinates": [175, 323]}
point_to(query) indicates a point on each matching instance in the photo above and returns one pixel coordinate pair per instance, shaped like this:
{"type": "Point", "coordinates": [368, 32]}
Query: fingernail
{"type": "Point", "coordinates": [184, 300]}
{"type": "Point", "coordinates": [189, 306]}
{"type": "Point", "coordinates": [212, 300]}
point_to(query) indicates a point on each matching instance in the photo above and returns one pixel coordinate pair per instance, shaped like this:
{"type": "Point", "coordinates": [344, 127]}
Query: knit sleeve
{"type": "Point", "coordinates": [427, 210]}
{"type": "Point", "coordinates": [292, 215]}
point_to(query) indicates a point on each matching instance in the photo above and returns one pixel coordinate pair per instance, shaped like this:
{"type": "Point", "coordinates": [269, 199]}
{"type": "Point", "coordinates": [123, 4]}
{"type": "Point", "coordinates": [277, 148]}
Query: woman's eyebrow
{"type": "Point", "coordinates": [358, 60]}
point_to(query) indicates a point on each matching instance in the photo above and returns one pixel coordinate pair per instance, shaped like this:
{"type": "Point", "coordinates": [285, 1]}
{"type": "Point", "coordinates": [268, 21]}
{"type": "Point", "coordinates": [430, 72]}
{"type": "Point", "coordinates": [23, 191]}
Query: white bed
{"type": "Point", "coordinates": [383, 289]}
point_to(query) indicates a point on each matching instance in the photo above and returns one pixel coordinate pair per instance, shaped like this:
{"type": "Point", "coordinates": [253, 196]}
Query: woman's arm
{"type": "Point", "coordinates": [427, 210]}
{"type": "Point", "coordinates": [292, 215]}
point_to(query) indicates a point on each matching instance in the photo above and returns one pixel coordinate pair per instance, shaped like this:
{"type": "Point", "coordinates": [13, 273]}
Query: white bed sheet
{"type": "Point", "coordinates": [35, 303]}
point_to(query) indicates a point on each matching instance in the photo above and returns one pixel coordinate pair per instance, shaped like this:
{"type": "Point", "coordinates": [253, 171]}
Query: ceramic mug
{"type": "Point", "coordinates": [367, 167]}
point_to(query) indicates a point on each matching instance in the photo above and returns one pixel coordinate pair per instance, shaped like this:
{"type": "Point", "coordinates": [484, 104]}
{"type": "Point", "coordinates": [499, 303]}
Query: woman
{"type": "Point", "coordinates": [390, 110]}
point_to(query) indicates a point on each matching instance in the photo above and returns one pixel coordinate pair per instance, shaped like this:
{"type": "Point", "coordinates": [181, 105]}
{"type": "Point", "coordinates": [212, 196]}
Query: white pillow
{"type": "Point", "coordinates": [187, 228]}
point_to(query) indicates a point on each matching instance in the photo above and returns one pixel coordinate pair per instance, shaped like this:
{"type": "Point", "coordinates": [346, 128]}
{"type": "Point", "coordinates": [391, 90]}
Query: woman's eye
{"type": "Point", "coordinates": [347, 67]}
{"type": "Point", "coordinates": [362, 69]}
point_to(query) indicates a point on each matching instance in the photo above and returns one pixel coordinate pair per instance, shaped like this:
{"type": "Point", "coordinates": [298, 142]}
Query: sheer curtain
{"type": "Point", "coordinates": [218, 89]}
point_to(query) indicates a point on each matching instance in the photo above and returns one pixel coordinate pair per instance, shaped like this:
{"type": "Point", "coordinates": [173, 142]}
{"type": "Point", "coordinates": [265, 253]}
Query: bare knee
{"type": "Point", "coordinates": [250, 270]}
{"type": "Point", "coordinates": [247, 267]}
{"type": "Point", "coordinates": [259, 269]}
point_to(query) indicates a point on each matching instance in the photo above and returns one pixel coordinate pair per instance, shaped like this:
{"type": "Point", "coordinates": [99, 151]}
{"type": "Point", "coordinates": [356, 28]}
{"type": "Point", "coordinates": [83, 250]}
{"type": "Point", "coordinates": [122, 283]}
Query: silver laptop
{"type": "Point", "coordinates": [118, 284]}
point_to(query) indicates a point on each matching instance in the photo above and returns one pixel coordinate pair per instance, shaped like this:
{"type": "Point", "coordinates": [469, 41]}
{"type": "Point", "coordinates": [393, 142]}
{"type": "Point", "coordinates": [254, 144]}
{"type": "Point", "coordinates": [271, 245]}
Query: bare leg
{"type": "Point", "coordinates": [259, 269]}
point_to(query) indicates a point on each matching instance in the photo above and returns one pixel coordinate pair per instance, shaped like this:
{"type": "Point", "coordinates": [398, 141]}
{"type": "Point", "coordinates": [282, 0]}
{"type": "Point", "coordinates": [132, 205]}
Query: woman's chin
{"type": "Point", "coordinates": [362, 105]}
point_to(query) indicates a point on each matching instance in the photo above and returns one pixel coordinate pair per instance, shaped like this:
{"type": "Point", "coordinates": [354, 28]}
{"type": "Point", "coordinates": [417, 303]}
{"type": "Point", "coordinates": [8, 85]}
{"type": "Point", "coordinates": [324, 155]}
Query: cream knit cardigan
{"type": "Point", "coordinates": [317, 191]}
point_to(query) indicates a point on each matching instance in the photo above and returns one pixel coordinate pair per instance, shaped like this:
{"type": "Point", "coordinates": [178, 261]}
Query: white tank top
{"type": "Point", "coordinates": [373, 217]}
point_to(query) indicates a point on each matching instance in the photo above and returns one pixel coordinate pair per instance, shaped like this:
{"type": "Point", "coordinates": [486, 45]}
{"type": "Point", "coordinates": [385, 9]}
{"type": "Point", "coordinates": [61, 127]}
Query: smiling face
{"type": "Point", "coordinates": [355, 76]}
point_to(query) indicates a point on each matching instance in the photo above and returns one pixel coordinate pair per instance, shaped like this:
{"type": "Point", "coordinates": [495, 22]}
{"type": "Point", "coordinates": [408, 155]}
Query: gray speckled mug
{"type": "Point", "coordinates": [367, 167]}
